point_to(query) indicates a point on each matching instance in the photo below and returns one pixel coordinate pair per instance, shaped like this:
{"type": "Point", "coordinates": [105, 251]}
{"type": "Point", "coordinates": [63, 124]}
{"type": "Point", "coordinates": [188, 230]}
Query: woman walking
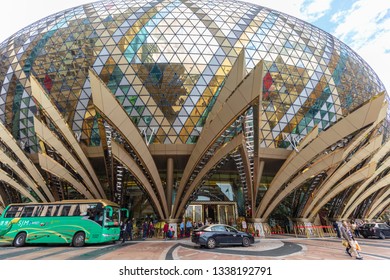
{"type": "Point", "coordinates": [346, 234]}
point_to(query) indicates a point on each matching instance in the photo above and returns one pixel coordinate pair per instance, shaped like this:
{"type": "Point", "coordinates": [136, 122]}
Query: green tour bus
{"type": "Point", "coordinates": [76, 222]}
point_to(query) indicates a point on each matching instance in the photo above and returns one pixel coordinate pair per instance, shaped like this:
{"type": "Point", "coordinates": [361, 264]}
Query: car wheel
{"type": "Point", "coordinates": [211, 243]}
{"type": "Point", "coordinates": [382, 235]}
{"type": "Point", "coordinates": [365, 236]}
{"type": "Point", "coordinates": [245, 242]}
{"type": "Point", "coordinates": [78, 239]}
{"type": "Point", "coordinates": [20, 239]}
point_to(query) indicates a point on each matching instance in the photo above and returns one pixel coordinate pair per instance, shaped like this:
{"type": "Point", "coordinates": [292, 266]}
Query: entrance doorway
{"type": "Point", "coordinates": [214, 212]}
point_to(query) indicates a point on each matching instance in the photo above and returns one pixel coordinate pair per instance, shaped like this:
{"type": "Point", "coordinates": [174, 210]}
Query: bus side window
{"type": "Point", "coordinates": [28, 211]}
{"type": "Point", "coordinates": [64, 210]}
{"type": "Point", "coordinates": [84, 210]}
{"type": "Point", "coordinates": [74, 210]}
{"type": "Point", "coordinates": [38, 211]}
{"type": "Point", "coordinates": [51, 211]}
{"type": "Point", "coordinates": [43, 211]}
{"type": "Point", "coordinates": [14, 212]}
{"type": "Point", "coordinates": [10, 212]}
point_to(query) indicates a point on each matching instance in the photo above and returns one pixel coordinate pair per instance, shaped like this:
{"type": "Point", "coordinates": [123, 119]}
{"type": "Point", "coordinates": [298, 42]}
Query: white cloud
{"type": "Point", "coordinates": [313, 10]}
{"type": "Point", "coordinates": [365, 27]}
{"type": "Point", "coordinates": [307, 10]}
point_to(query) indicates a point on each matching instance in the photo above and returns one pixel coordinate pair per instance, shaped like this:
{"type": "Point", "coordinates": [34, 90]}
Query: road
{"type": "Point", "coordinates": [272, 248]}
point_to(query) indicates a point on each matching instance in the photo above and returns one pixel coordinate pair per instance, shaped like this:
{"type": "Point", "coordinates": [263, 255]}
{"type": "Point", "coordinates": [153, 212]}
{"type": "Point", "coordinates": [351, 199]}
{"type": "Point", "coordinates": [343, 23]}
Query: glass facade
{"type": "Point", "coordinates": [165, 61]}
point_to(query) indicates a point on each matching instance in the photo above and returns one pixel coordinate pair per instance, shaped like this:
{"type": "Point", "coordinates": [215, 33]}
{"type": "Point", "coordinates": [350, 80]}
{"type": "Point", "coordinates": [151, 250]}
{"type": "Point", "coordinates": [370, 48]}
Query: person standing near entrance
{"type": "Point", "coordinates": [127, 230]}
{"type": "Point", "coordinates": [188, 227]}
{"type": "Point", "coordinates": [354, 228]}
{"type": "Point", "coordinates": [336, 229]}
{"type": "Point", "coordinates": [151, 229]}
{"type": "Point", "coordinates": [243, 225]}
{"type": "Point", "coordinates": [145, 228]}
{"type": "Point", "coordinates": [131, 228]}
{"type": "Point", "coordinates": [347, 235]}
{"type": "Point", "coordinates": [165, 230]}
{"type": "Point", "coordinates": [182, 229]}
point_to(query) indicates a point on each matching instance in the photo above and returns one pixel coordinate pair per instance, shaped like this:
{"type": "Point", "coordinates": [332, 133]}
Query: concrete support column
{"type": "Point", "coordinates": [304, 226]}
{"type": "Point", "coordinates": [260, 226]}
{"type": "Point", "coordinates": [169, 184]}
{"type": "Point", "coordinates": [173, 224]}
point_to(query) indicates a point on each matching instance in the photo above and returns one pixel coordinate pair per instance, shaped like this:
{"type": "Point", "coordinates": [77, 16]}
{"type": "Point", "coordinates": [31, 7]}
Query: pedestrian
{"type": "Point", "coordinates": [127, 230]}
{"type": "Point", "coordinates": [151, 229]}
{"type": "Point", "coordinates": [336, 229]}
{"type": "Point", "coordinates": [171, 232]}
{"type": "Point", "coordinates": [243, 225]}
{"type": "Point", "coordinates": [130, 230]}
{"type": "Point", "coordinates": [145, 228]}
{"type": "Point", "coordinates": [349, 241]}
{"type": "Point", "coordinates": [182, 229]}
{"type": "Point", "coordinates": [188, 228]}
{"type": "Point", "coordinates": [165, 230]}
{"type": "Point", "coordinates": [122, 232]}
{"type": "Point", "coordinates": [355, 228]}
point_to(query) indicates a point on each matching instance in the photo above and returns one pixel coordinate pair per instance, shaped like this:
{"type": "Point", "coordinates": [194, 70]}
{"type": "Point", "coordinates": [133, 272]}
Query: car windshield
{"type": "Point", "coordinates": [218, 228]}
{"type": "Point", "coordinates": [204, 228]}
{"type": "Point", "coordinates": [231, 229]}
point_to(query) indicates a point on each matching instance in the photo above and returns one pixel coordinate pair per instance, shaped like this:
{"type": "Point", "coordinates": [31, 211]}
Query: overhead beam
{"type": "Point", "coordinates": [8, 140]}
{"type": "Point", "coordinates": [47, 136]}
{"type": "Point", "coordinates": [357, 158]}
{"type": "Point", "coordinates": [217, 157]}
{"type": "Point", "coordinates": [11, 182]}
{"type": "Point", "coordinates": [383, 196]}
{"type": "Point", "coordinates": [356, 120]}
{"type": "Point", "coordinates": [50, 165]}
{"type": "Point", "coordinates": [358, 176]}
{"type": "Point", "coordinates": [126, 160]}
{"type": "Point", "coordinates": [382, 183]}
{"type": "Point", "coordinates": [380, 208]}
{"type": "Point", "coordinates": [235, 76]}
{"type": "Point", "coordinates": [327, 161]}
{"type": "Point", "coordinates": [247, 169]}
{"type": "Point", "coordinates": [4, 158]}
{"type": "Point", "coordinates": [50, 110]}
{"type": "Point", "coordinates": [245, 94]}
{"type": "Point", "coordinates": [106, 103]}
{"type": "Point", "coordinates": [376, 158]}
{"type": "Point", "coordinates": [2, 203]}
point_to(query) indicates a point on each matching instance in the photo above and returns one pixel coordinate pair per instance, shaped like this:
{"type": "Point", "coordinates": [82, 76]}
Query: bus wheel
{"type": "Point", "coordinates": [78, 239]}
{"type": "Point", "coordinates": [20, 239]}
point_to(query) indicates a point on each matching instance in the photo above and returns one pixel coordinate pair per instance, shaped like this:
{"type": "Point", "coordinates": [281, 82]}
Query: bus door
{"type": "Point", "coordinates": [111, 217]}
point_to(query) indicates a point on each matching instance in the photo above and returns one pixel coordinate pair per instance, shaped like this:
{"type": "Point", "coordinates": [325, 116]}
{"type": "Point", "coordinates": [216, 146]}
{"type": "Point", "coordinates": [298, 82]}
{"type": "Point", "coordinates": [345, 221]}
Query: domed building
{"type": "Point", "coordinates": [205, 109]}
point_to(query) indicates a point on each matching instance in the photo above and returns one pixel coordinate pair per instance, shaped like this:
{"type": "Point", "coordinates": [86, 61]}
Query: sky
{"type": "Point", "coordinates": [364, 25]}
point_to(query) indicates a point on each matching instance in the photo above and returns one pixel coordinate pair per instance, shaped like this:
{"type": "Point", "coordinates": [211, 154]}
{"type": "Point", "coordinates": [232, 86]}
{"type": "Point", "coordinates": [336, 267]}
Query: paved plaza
{"type": "Point", "coordinates": [277, 247]}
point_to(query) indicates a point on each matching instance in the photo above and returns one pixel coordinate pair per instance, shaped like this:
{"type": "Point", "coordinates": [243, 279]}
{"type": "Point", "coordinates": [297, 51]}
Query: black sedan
{"type": "Point", "coordinates": [380, 230]}
{"type": "Point", "coordinates": [219, 234]}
